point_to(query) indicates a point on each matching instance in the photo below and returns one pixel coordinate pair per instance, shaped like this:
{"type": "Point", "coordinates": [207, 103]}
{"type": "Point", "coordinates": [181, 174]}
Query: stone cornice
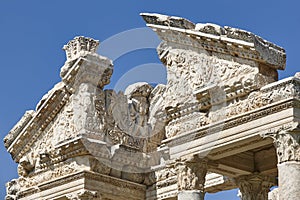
{"type": "Point", "coordinates": [45, 114]}
{"type": "Point", "coordinates": [215, 38]}
{"type": "Point", "coordinates": [89, 68]}
{"type": "Point", "coordinates": [93, 176]}
{"type": "Point", "coordinates": [83, 175]}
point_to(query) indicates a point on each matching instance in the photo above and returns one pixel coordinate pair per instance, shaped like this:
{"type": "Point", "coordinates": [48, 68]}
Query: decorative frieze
{"type": "Point", "coordinates": [219, 78]}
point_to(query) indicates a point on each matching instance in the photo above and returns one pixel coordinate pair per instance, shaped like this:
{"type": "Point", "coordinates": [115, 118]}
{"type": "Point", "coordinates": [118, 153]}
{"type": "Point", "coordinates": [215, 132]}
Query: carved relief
{"type": "Point", "coordinates": [189, 71]}
{"type": "Point", "coordinates": [131, 119]}
{"type": "Point", "coordinates": [84, 195]}
{"type": "Point", "coordinates": [286, 141]}
{"type": "Point", "coordinates": [26, 165]}
{"type": "Point", "coordinates": [254, 187]}
{"type": "Point", "coordinates": [64, 128]}
{"type": "Point", "coordinates": [99, 167]}
{"type": "Point", "coordinates": [127, 115]}
{"type": "Point", "coordinates": [85, 114]}
{"type": "Point", "coordinates": [79, 45]}
{"type": "Point", "coordinates": [287, 146]}
{"type": "Point", "coordinates": [59, 170]}
{"type": "Point", "coordinates": [191, 173]}
{"type": "Point", "coordinates": [12, 189]}
{"type": "Point", "coordinates": [187, 123]}
{"type": "Point", "coordinates": [166, 176]}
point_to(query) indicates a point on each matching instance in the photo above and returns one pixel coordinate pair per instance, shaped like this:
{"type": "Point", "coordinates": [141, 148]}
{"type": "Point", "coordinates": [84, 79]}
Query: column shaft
{"type": "Point", "coordinates": [289, 180]}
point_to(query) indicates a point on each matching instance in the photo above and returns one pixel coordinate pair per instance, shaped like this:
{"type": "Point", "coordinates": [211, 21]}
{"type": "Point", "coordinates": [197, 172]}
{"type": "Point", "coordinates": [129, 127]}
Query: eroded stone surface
{"type": "Point", "coordinates": [221, 99]}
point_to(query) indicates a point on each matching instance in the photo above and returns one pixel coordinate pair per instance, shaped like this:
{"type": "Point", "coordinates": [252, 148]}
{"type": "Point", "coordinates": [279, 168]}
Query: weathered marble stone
{"type": "Point", "coordinates": [255, 186]}
{"type": "Point", "coordinates": [191, 195]}
{"type": "Point", "coordinates": [222, 121]}
{"type": "Point", "coordinates": [289, 182]}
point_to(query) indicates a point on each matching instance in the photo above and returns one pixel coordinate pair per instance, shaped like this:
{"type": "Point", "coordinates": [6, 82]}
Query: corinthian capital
{"type": "Point", "coordinates": [287, 141]}
{"type": "Point", "coordinates": [254, 186]}
{"type": "Point", "coordinates": [191, 173]}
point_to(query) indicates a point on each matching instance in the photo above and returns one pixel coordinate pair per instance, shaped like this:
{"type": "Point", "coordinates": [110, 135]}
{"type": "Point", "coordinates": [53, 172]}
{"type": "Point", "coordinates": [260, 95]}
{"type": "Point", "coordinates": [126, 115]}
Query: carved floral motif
{"type": "Point", "coordinates": [191, 173]}
{"type": "Point", "coordinates": [254, 187]}
{"type": "Point", "coordinates": [287, 146]}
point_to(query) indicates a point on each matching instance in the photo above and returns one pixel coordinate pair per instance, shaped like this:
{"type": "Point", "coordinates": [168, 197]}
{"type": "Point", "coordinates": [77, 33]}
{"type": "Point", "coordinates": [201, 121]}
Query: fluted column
{"type": "Point", "coordinates": [287, 143]}
{"type": "Point", "coordinates": [254, 186]}
{"type": "Point", "coordinates": [191, 174]}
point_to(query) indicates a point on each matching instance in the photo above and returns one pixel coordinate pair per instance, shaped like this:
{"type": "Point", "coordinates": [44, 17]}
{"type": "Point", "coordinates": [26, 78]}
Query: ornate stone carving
{"type": "Point", "coordinates": [127, 115]}
{"type": "Point", "coordinates": [212, 71]}
{"type": "Point", "coordinates": [209, 28]}
{"type": "Point", "coordinates": [191, 173]}
{"type": "Point", "coordinates": [287, 142]}
{"type": "Point", "coordinates": [167, 20]}
{"type": "Point", "coordinates": [99, 167]}
{"type": "Point", "coordinates": [86, 118]}
{"type": "Point", "coordinates": [26, 165]}
{"type": "Point", "coordinates": [84, 195]}
{"type": "Point", "coordinates": [65, 127]}
{"type": "Point", "coordinates": [12, 189]}
{"type": "Point", "coordinates": [235, 105]}
{"type": "Point", "coordinates": [79, 46]}
{"type": "Point", "coordinates": [189, 71]}
{"type": "Point", "coordinates": [214, 38]}
{"type": "Point", "coordinates": [255, 186]}
{"type": "Point", "coordinates": [186, 123]}
{"type": "Point", "coordinates": [11, 136]}
{"type": "Point", "coordinates": [57, 171]}
{"type": "Point", "coordinates": [84, 65]}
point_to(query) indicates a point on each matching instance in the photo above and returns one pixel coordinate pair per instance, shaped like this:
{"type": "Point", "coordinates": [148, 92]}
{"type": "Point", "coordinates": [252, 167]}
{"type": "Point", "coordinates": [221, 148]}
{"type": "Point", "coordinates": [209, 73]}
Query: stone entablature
{"type": "Point", "coordinates": [212, 37]}
{"type": "Point", "coordinates": [222, 103]}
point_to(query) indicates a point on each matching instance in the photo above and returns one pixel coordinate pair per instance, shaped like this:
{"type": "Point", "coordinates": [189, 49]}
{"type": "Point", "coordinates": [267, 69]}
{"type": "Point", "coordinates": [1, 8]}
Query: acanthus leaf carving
{"type": "Point", "coordinates": [286, 140]}
{"type": "Point", "coordinates": [254, 186]}
{"type": "Point", "coordinates": [191, 173]}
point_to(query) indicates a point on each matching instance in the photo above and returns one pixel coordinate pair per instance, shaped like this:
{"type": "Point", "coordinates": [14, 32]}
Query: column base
{"type": "Point", "coordinates": [190, 195]}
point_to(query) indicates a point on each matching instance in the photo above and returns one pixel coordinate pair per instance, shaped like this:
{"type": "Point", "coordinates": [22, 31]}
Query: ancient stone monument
{"type": "Point", "coordinates": [222, 121]}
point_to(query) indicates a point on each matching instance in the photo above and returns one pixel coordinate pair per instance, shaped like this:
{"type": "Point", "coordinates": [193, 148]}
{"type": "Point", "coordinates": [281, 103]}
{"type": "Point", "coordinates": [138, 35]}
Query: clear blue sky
{"type": "Point", "coordinates": [33, 33]}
